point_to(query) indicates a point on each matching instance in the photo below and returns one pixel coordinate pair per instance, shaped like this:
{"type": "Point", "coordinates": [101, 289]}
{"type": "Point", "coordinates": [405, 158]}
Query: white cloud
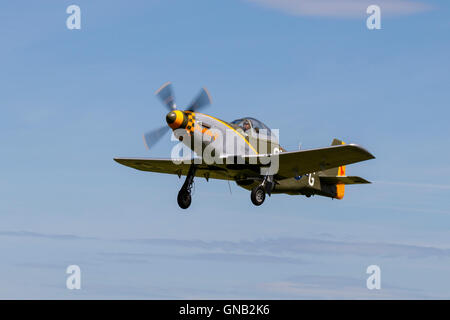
{"type": "Point", "coordinates": [343, 8]}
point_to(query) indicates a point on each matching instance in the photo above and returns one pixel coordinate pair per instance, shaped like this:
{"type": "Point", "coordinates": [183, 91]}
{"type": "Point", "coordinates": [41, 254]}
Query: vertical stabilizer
{"type": "Point", "coordinates": [337, 172]}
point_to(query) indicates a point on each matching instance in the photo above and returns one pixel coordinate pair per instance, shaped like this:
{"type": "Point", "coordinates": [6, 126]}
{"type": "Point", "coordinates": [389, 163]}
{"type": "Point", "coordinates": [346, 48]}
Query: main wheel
{"type": "Point", "coordinates": [258, 195]}
{"type": "Point", "coordinates": [184, 199]}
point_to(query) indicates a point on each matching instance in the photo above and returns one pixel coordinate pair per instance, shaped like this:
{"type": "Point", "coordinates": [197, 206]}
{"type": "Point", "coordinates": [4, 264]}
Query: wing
{"type": "Point", "coordinates": [169, 167]}
{"type": "Point", "coordinates": [343, 180]}
{"type": "Point", "coordinates": [307, 161]}
{"type": "Point", "coordinates": [290, 163]}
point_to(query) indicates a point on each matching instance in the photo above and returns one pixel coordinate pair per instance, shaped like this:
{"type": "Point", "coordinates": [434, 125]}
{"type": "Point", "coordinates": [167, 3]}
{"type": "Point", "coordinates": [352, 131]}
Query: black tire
{"type": "Point", "coordinates": [258, 195]}
{"type": "Point", "coordinates": [184, 199]}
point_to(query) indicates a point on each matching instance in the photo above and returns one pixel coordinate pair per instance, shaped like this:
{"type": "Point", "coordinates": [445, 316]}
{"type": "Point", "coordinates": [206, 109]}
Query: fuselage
{"type": "Point", "coordinates": [199, 129]}
{"type": "Point", "coordinates": [206, 135]}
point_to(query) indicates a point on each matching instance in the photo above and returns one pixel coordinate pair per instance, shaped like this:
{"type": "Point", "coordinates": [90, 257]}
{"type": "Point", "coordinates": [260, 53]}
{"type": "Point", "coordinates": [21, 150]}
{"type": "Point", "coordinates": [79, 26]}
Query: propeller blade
{"type": "Point", "coordinates": [152, 137]}
{"type": "Point", "coordinates": [202, 100]}
{"type": "Point", "coordinates": [165, 93]}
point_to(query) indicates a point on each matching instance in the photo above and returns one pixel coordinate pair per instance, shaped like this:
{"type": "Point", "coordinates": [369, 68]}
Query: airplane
{"type": "Point", "coordinates": [303, 172]}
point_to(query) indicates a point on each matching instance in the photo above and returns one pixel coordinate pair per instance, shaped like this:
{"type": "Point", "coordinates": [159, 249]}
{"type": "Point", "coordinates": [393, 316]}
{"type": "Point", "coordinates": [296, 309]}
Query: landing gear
{"type": "Point", "coordinates": [258, 195]}
{"type": "Point", "coordinates": [184, 198]}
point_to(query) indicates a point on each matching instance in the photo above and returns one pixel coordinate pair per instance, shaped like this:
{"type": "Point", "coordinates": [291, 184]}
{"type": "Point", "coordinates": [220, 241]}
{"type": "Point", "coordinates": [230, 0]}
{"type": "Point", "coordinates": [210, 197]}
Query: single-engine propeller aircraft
{"type": "Point", "coordinates": [250, 162]}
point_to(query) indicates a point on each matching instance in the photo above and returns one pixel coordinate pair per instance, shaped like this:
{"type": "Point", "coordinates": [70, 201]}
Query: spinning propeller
{"type": "Point", "coordinates": [165, 93]}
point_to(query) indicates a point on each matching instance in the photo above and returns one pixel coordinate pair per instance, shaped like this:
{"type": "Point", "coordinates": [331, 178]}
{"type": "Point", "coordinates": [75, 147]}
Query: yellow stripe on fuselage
{"type": "Point", "coordinates": [240, 135]}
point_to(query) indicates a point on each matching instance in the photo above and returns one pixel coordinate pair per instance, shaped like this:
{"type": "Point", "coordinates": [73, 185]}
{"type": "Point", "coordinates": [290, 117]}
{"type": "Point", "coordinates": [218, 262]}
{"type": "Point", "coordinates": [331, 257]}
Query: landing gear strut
{"type": "Point", "coordinates": [258, 194]}
{"type": "Point", "coordinates": [184, 195]}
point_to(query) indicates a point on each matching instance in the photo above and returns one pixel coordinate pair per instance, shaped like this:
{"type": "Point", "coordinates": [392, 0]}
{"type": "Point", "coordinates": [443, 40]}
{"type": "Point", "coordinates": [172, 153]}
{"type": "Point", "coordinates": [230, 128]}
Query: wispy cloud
{"type": "Point", "coordinates": [305, 246]}
{"type": "Point", "coordinates": [343, 8]}
{"type": "Point", "coordinates": [415, 185]}
{"type": "Point", "coordinates": [213, 256]}
{"type": "Point", "coordinates": [30, 234]}
{"type": "Point", "coordinates": [247, 254]}
{"type": "Point", "coordinates": [279, 248]}
{"type": "Point", "coordinates": [335, 287]}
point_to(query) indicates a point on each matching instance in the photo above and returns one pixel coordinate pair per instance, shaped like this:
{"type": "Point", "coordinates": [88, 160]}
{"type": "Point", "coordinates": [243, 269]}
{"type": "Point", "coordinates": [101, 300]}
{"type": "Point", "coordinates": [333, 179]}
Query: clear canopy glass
{"type": "Point", "coordinates": [249, 123]}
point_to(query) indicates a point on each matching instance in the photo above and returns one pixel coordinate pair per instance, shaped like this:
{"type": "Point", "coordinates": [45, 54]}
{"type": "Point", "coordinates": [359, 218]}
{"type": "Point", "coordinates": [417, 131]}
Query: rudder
{"type": "Point", "coordinates": [339, 171]}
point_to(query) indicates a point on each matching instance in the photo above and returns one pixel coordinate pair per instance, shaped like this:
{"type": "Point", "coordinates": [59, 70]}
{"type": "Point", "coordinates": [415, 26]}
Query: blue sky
{"type": "Point", "coordinates": [73, 100]}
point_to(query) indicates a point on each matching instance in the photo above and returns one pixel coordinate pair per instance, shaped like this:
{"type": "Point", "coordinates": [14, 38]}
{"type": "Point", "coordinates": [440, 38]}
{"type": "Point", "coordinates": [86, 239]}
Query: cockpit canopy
{"type": "Point", "coordinates": [249, 124]}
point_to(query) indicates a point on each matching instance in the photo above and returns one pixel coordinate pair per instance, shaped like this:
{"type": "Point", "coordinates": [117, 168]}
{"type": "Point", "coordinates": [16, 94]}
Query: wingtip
{"type": "Point", "coordinates": [371, 156]}
{"type": "Point", "coordinates": [368, 154]}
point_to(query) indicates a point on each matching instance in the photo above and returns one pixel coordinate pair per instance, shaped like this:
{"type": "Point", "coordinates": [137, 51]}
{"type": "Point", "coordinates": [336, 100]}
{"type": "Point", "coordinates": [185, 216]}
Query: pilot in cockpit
{"type": "Point", "coordinates": [246, 126]}
{"type": "Point", "coordinates": [251, 127]}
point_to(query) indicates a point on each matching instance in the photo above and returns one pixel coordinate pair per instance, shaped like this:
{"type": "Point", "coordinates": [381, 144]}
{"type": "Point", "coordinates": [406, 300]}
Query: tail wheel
{"type": "Point", "coordinates": [184, 199]}
{"type": "Point", "coordinates": [258, 195]}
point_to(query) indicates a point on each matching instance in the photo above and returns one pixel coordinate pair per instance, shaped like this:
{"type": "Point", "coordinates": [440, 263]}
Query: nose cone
{"type": "Point", "coordinates": [175, 119]}
{"type": "Point", "coordinates": [171, 117]}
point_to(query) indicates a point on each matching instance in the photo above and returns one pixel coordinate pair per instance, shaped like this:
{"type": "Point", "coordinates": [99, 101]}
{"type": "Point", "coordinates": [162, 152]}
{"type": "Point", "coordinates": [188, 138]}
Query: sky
{"type": "Point", "coordinates": [72, 100]}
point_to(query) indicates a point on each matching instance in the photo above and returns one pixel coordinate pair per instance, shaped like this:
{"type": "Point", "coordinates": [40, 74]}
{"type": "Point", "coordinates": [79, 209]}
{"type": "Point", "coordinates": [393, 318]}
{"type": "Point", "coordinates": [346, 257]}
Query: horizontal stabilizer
{"type": "Point", "coordinates": [343, 180]}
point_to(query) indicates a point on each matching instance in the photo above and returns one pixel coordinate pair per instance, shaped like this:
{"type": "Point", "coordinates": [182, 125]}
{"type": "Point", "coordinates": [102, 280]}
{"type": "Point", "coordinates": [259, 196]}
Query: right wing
{"type": "Point", "coordinates": [168, 166]}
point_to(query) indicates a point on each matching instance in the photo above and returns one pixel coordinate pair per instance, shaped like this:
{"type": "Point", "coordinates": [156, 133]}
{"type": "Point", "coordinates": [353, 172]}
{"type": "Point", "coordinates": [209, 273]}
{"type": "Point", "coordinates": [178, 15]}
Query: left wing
{"type": "Point", "coordinates": [294, 163]}
{"type": "Point", "coordinates": [307, 161]}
